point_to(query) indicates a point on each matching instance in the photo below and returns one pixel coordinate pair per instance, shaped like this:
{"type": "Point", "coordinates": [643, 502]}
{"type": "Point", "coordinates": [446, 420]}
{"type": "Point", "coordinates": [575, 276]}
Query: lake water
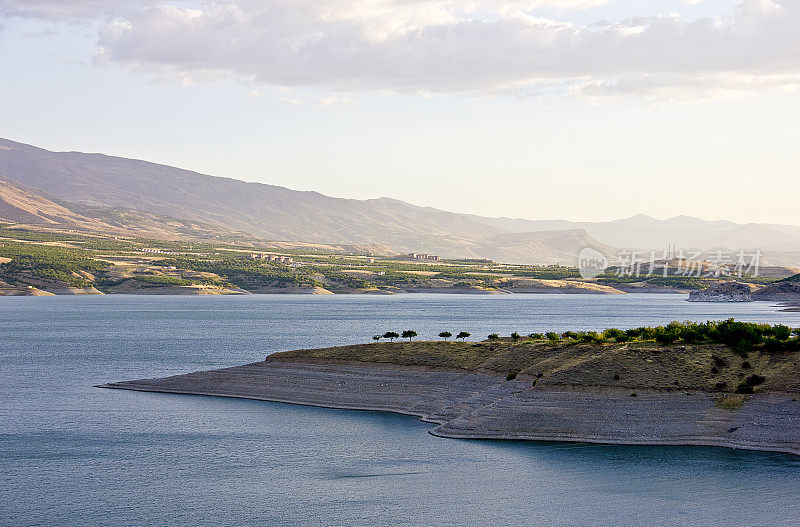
{"type": "Point", "coordinates": [71, 454]}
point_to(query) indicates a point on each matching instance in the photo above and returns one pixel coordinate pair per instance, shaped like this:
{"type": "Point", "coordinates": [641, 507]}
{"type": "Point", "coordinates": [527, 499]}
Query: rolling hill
{"type": "Point", "coordinates": [274, 213]}
{"type": "Point", "coordinates": [92, 185]}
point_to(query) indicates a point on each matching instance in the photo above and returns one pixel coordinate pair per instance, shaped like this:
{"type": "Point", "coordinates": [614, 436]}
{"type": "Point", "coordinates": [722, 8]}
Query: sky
{"type": "Point", "coordinates": [586, 110]}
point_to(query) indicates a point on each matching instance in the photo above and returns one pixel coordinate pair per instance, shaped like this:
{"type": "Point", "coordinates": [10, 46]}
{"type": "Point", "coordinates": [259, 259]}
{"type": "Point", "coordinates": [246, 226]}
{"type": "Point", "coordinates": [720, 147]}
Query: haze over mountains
{"type": "Point", "coordinates": [73, 186]}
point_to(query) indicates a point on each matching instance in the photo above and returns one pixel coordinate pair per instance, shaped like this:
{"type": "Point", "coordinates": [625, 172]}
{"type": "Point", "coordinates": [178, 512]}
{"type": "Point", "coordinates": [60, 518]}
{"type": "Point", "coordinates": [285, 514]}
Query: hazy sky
{"type": "Point", "coordinates": [570, 109]}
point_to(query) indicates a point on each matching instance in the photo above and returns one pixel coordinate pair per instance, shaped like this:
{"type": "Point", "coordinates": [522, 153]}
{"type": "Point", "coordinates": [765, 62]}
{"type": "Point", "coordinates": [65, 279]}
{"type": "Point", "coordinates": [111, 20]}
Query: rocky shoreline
{"type": "Point", "coordinates": [485, 405]}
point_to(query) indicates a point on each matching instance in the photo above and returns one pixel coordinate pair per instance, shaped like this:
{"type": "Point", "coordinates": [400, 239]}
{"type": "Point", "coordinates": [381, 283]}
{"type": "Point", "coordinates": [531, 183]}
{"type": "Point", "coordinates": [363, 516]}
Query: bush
{"type": "Point", "coordinates": [741, 336]}
{"type": "Point", "coordinates": [613, 333]}
{"type": "Point", "coordinates": [515, 336]}
{"type": "Point", "coordinates": [773, 344]}
{"type": "Point", "coordinates": [553, 337]}
{"type": "Point", "coordinates": [592, 337]}
{"type": "Point", "coordinates": [536, 336]}
{"type": "Point", "coordinates": [494, 336]}
{"type": "Point", "coordinates": [755, 380]}
{"type": "Point", "coordinates": [666, 338]}
{"type": "Point", "coordinates": [781, 332]}
{"type": "Point", "coordinates": [731, 402]}
{"type": "Point", "coordinates": [511, 376]}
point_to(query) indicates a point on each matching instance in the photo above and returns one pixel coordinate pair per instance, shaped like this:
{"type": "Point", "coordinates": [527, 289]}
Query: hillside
{"type": "Point", "coordinates": [270, 212]}
{"type": "Point", "coordinates": [29, 207]}
{"type": "Point", "coordinates": [707, 367]}
{"type": "Point", "coordinates": [276, 213]}
{"type": "Point", "coordinates": [20, 205]}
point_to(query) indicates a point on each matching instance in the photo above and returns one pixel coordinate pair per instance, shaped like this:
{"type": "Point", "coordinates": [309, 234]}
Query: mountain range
{"type": "Point", "coordinates": [100, 192]}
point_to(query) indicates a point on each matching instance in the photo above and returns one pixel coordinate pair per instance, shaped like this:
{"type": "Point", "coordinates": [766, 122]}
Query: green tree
{"type": "Point", "coordinates": [391, 335]}
{"type": "Point", "coordinates": [515, 336]}
{"type": "Point", "coordinates": [462, 335]}
{"type": "Point", "coordinates": [494, 336]}
{"type": "Point", "coordinates": [445, 335]}
{"type": "Point", "coordinates": [409, 334]}
{"type": "Point", "coordinates": [781, 332]}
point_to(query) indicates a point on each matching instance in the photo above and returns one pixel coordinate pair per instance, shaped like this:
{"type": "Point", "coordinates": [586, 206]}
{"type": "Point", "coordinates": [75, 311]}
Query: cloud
{"type": "Point", "coordinates": [71, 10]}
{"type": "Point", "coordinates": [479, 47]}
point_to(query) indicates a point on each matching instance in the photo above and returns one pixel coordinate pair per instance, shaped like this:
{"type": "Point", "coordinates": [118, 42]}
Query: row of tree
{"type": "Point", "coordinates": [410, 334]}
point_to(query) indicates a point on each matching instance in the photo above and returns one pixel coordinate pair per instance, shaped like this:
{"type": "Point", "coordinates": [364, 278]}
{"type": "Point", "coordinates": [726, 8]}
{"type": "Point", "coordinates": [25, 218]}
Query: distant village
{"type": "Point", "coordinates": [277, 258]}
{"type": "Point", "coordinates": [422, 257]}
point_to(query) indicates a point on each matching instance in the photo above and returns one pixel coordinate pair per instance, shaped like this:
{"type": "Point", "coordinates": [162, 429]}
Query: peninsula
{"type": "Point", "coordinates": [728, 384]}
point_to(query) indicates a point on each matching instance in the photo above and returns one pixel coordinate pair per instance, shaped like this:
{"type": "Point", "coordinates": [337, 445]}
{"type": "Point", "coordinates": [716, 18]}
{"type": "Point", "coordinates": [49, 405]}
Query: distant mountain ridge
{"type": "Point", "coordinates": [277, 213]}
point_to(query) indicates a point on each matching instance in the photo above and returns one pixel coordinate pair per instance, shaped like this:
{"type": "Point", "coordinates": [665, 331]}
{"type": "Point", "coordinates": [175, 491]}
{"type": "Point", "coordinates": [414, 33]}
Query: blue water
{"type": "Point", "coordinates": [71, 454]}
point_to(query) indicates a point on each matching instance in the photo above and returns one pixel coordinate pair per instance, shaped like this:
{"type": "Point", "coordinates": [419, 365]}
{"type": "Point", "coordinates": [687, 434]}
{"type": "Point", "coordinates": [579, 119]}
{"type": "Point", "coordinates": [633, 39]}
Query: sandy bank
{"type": "Point", "coordinates": [487, 406]}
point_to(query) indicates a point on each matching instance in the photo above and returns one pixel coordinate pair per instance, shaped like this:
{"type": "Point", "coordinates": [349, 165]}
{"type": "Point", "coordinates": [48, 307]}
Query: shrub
{"type": "Point", "coordinates": [515, 336]}
{"type": "Point", "coordinates": [511, 376]}
{"type": "Point", "coordinates": [731, 402]}
{"type": "Point", "coordinates": [773, 344]}
{"type": "Point", "coordinates": [692, 335]}
{"type": "Point", "coordinates": [781, 332]}
{"type": "Point", "coordinates": [536, 336]}
{"type": "Point", "coordinates": [755, 380]}
{"type": "Point", "coordinates": [634, 333]}
{"type": "Point", "coordinates": [592, 337]}
{"type": "Point", "coordinates": [613, 333]}
{"type": "Point", "coordinates": [668, 334]}
{"type": "Point", "coordinates": [493, 336]}
{"type": "Point", "coordinates": [740, 336]}
{"type": "Point", "coordinates": [553, 337]}
{"type": "Point", "coordinates": [376, 338]}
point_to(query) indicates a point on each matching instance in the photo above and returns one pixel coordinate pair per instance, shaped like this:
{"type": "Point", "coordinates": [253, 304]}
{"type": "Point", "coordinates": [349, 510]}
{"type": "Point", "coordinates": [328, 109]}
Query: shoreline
{"type": "Point", "coordinates": [478, 405]}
